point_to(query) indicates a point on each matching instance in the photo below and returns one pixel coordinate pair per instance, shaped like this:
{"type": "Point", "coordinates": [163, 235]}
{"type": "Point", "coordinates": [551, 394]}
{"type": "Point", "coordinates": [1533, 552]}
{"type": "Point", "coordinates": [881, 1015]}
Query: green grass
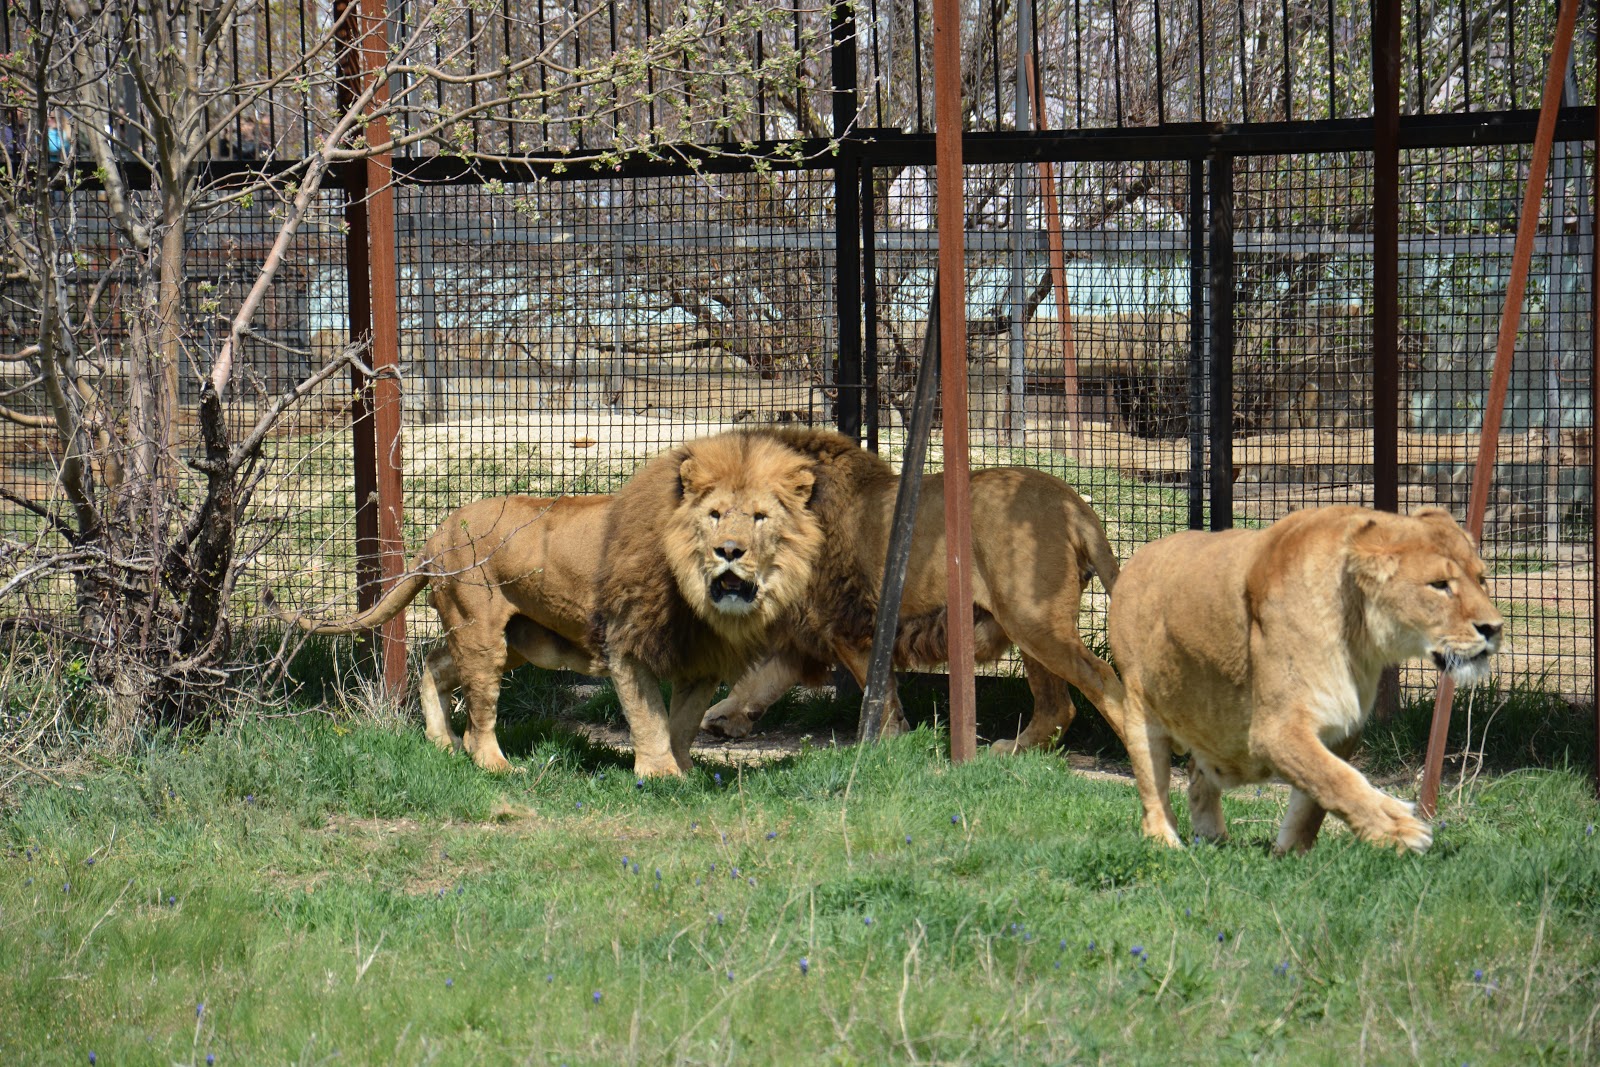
{"type": "Point", "coordinates": [326, 888]}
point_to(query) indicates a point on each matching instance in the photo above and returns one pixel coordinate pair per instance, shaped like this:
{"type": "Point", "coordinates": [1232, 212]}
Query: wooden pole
{"type": "Point", "coordinates": [1386, 288]}
{"type": "Point", "coordinates": [953, 370]}
{"type": "Point", "coordinates": [1505, 349]}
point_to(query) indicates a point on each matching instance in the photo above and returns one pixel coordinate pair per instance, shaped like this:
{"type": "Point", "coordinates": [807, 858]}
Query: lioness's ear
{"type": "Point", "coordinates": [1371, 554]}
{"type": "Point", "coordinates": [1441, 518]}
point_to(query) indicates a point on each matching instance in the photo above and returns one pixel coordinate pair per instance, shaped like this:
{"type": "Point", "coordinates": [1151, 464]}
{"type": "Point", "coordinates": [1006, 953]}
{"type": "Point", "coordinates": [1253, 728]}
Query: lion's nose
{"type": "Point", "coordinates": [1489, 630]}
{"type": "Point", "coordinates": [729, 551]}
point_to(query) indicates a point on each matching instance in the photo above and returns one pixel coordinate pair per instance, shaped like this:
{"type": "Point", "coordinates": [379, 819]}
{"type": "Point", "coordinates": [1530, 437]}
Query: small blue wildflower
{"type": "Point", "coordinates": [658, 874]}
{"type": "Point", "coordinates": [549, 978]}
{"type": "Point", "coordinates": [580, 803]}
{"type": "Point", "coordinates": [624, 863]}
{"type": "Point", "coordinates": [955, 820]}
{"type": "Point", "coordinates": [712, 869]}
{"type": "Point", "coordinates": [211, 1059]}
{"type": "Point", "coordinates": [908, 839]}
{"type": "Point", "coordinates": [1477, 975]}
{"type": "Point", "coordinates": [752, 881]}
{"type": "Point", "coordinates": [697, 879]}
{"type": "Point", "coordinates": [89, 862]}
{"type": "Point", "coordinates": [91, 1057]}
{"type": "Point", "coordinates": [67, 888]}
{"type": "Point", "coordinates": [717, 777]}
{"type": "Point", "coordinates": [1063, 943]}
{"type": "Point", "coordinates": [460, 889]}
{"type": "Point", "coordinates": [597, 996]}
{"type": "Point", "coordinates": [1221, 937]}
{"type": "Point", "coordinates": [730, 976]}
{"type": "Point", "coordinates": [719, 918]}
{"type": "Point", "coordinates": [1187, 913]}
{"type": "Point", "coordinates": [199, 1010]}
{"type": "Point", "coordinates": [635, 868]}
{"type": "Point", "coordinates": [638, 783]}
{"type": "Point", "coordinates": [1588, 831]}
{"type": "Point", "coordinates": [1137, 950]}
{"type": "Point", "coordinates": [771, 834]}
{"type": "Point", "coordinates": [694, 826]}
{"type": "Point", "coordinates": [1027, 935]}
{"type": "Point", "coordinates": [249, 798]}
{"type": "Point", "coordinates": [1281, 969]}
{"type": "Point", "coordinates": [735, 873]}
{"type": "Point", "coordinates": [441, 892]}
{"type": "Point", "coordinates": [449, 983]}
{"type": "Point", "coordinates": [805, 965]}
{"type": "Point", "coordinates": [27, 883]}
{"type": "Point", "coordinates": [1058, 965]}
{"type": "Point", "coordinates": [1091, 946]}
{"type": "Point", "coordinates": [866, 920]}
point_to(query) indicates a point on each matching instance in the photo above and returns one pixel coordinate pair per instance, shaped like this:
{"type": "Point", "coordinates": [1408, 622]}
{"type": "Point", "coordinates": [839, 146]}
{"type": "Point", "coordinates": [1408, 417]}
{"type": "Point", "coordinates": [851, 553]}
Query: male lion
{"type": "Point", "coordinates": [1259, 651]}
{"type": "Point", "coordinates": [512, 580]}
{"type": "Point", "coordinates": [708, 547]}
{"type": "Point", "coordinates": [1035, 546]}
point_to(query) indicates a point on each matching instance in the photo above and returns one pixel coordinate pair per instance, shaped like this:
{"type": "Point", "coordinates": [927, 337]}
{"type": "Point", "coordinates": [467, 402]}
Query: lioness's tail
{"type": "Point", "coordinates": [392, 604]}
{"type": "Point", "coordinates": [1098, 557]}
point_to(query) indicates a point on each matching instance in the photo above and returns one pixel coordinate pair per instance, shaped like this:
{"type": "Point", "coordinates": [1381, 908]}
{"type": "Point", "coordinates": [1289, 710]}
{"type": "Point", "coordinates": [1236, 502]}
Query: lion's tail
{"type": "Point", "coordinates": [393, 603]}
{"type": "Point", "coordinates": [925, 640]}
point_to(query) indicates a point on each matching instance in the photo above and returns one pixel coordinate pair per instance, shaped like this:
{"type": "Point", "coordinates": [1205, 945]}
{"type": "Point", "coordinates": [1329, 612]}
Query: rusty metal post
{"type": "Point", "coordinates": [1386, 287]}
{"type": "Point", "coordinates": [953, 364]}
{"type": "Point", "coordinates": [1594, 443]}
{"type": "Point", "coordinates": [1505, 349]}
{"type": "Point", "coordinates": [374, 314]}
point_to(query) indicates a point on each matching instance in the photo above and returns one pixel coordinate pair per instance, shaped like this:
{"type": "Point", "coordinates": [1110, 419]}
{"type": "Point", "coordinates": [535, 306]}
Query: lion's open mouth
{"type": "Point", "coordinates": [728, 584]}
{"type": "Point", "coordinates": [1464, 669]}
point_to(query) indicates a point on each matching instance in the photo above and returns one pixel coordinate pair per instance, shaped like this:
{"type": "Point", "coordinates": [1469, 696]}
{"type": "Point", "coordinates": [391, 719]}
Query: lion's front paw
{"type": "Point", "coordinates": [1004, 748]}
{"type": "Point", "coordinates": [729, 720]}
{"type": "Point", "coordinates": [1394, 824]}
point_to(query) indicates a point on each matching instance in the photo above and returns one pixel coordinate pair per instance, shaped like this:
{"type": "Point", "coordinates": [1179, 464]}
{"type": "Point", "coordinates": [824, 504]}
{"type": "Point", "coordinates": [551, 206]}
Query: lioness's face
{"type": "Point", "coordinates": [1437, 597]}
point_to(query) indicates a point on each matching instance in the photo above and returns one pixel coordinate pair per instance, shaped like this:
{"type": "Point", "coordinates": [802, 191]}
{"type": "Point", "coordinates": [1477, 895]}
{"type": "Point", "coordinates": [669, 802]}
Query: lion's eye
{"type": "Point", "coordinates": [1443, 585]}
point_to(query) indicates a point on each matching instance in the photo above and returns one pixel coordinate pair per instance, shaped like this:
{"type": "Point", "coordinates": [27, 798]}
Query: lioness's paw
{"type": "Point", "coordinates": [657, 767]}
{"type": "Point", "coordinates": [1004, 748]}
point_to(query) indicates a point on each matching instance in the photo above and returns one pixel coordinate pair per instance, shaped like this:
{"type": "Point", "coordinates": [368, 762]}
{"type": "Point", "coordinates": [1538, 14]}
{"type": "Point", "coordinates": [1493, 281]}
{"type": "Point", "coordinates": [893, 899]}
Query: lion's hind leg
{"type": "Point", "coordinates": [1205, 804]}
{"type": "Point", "coordinates": [481, 659]}
{"type": "Point", "coordinates": [1053, 710]}
{"type": "Point", "coordinates": [436, 690]}
{"type": "Point", "coordinates": [1150, 751]}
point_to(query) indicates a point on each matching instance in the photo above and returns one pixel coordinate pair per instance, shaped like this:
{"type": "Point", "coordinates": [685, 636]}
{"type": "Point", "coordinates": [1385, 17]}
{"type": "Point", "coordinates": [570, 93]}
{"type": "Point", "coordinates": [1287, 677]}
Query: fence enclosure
{"type": "Point", "coordinates": [556, 324]}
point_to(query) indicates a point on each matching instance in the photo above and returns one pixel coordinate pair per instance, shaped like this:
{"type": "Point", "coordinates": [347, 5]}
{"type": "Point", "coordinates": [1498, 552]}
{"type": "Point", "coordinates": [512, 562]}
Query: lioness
{"type": "Point", "coordinates": [1259, 651]}
{"type": "Point", "coordinates": [1035, 543]}
{"type": "Point", "coordinates": [512, 579]}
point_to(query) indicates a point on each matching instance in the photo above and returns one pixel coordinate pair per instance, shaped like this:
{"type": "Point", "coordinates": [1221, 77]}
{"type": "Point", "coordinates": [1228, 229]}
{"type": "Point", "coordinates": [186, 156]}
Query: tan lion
{"type": "Point", "coordinates": [709, 547]}
{"type": "Point", "coordinates": [1259, 651]}
{"type": "Point", "coordinates": [512, 579]}
{"type": "Point", "coordinates": [1036, 545]}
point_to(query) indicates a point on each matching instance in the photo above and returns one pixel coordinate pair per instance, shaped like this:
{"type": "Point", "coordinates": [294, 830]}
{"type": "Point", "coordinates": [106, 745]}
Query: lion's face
{"type": "Point", "coordinates": [746, 541]}
{"type": "Point", "coordinates": [1426, 594]}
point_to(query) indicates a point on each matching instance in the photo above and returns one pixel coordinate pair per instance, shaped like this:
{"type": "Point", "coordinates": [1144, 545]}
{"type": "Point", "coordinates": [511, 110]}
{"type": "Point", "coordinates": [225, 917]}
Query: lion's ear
{"type": "Point", "coordinates": [691, 477]}
{"type": "Point", "coordinates": [801, 484]}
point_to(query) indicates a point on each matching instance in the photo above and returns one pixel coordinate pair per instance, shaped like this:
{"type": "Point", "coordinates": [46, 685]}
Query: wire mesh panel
{"type": "Point", "coordinates": [555, 334]}
{"type": "Point", "coordinates": [1459, 215]}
